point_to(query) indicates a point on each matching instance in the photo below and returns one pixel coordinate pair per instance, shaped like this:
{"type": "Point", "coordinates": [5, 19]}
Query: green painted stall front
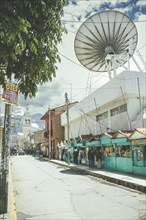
{"type": "Point", "coordinates": [123, 159]}
{"type": "Point", "coordinates": [108, 161]}
{"type": "Point", "coordinates": [124, 165]}
{"type": "Point", "coordinates": [117, 154]}
{"type": "Point", "coordinates": [139, 156]}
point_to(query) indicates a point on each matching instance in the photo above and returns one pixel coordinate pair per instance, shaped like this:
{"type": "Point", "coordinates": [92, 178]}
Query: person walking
{"type": "Point", "coordinates": [99, 158]}
{"type": "Point", "coordinates": [80, 157]}
{"type": "Point", "coordinates": [76, 156]}
{"type": "Point", "coordinates": [91, 157]}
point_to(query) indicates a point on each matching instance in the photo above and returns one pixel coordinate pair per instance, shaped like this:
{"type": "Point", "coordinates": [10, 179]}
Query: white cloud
{"type": "Point", "coordinates": [71, 76]}
{"type": "Point", "coordinates": [34, 125]}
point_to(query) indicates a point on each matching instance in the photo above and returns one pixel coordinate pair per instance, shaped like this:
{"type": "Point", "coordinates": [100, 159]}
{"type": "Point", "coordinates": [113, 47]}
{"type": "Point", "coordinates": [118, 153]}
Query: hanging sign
{"type": "Point", "coordinates": [10, 93]}
{"type": "Point", "coordinates": [139, 142]}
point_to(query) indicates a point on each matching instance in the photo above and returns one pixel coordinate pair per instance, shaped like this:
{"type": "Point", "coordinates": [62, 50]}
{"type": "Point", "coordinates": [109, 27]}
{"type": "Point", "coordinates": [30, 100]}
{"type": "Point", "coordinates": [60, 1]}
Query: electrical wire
{"type": "Point", "coordinates": [97, 22]}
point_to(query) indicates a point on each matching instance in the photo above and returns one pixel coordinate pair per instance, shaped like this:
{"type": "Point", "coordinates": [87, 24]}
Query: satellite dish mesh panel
{"type": "Point", "coordinates": [105, 33]}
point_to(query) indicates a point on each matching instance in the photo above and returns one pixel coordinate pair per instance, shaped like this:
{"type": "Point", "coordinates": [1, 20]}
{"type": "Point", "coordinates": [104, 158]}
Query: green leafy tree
{"type": "Point", "coordinates": [30, 31]}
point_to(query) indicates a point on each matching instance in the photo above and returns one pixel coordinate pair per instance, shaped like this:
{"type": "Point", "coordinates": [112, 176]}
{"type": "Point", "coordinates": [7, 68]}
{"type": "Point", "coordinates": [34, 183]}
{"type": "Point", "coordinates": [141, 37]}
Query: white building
{"type": "Point", "coordinates": [27, 121]}
{"type": "Point", "coordinates": [20, 140]}
{"type": "Point", "coordinates": [117, 105]}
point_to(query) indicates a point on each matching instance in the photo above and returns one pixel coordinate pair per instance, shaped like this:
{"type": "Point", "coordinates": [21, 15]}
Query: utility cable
{"type": "Point", "coordinates": [97, 22]}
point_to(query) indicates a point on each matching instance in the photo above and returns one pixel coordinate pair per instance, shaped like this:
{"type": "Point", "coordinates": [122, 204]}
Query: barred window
{"type": "Point", "coordinates": [118, 110]}
{"type": "Point", "coordinates": [102, 116]}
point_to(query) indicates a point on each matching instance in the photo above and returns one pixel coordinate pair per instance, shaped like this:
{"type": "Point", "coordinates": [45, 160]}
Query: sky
{"type": "Point", "coordinates": [71, 76]}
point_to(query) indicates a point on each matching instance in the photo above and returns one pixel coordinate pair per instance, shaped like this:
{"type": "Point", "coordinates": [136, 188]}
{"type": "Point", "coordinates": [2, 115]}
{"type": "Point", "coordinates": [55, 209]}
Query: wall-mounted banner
{"type": "Point", "coordinates": [10, 93]}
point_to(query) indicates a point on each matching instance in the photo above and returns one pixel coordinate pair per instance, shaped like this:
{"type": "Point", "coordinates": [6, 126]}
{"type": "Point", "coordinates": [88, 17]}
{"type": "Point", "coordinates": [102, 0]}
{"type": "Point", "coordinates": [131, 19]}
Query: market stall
{"type": "Point", "coordinates": [122, 152]}
{"type": "Point", "coordinates": [138, 145]}
{"type": "Point", "coordinates": [108, 152]}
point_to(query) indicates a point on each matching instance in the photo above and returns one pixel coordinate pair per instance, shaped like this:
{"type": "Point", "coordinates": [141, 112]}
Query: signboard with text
{"type": "Point", "coordinates": [10, 93]}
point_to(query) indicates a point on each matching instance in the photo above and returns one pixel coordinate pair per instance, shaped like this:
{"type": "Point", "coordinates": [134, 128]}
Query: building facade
{"type": "Point", "coordinates": [117, 105]}
{"type": "Point", "coordinates": [54, 131]}
{"type": "Point", "coordinates": [27, 121]}
{"type": "Point", "coordinates": [20, 140]}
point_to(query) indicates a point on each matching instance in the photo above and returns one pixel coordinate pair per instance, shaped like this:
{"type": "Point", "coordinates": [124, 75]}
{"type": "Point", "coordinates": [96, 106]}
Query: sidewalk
{"type": "Point", "coordinates": [128, 180]}
{"type": "Point", "coordinates": [11, 214]}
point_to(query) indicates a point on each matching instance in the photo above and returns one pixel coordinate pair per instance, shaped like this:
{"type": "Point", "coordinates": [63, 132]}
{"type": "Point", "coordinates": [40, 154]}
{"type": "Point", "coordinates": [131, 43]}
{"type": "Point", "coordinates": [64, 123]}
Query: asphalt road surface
{"type": "Point", "coordinates": [44, 191]}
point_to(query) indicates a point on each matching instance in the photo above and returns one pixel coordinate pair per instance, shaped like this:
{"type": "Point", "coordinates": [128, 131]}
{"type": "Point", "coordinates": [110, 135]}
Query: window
{"type": "Point", "coordinates": [140, 152]}
{"type": "Point", "coordinates": [118, 110]}
{"type": "Point", "coordinates": [102, 116]}
{"type": "Point", "coordinates": [139, 156]}
{"type": "Point", "coordinates": [123, 151]}
{"type": "Point", "coordinates": [109, 151]}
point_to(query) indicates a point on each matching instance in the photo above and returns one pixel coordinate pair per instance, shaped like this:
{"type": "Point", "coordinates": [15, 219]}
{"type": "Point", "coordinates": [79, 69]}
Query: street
{"type": "Point", "coordinates": [44, 191]}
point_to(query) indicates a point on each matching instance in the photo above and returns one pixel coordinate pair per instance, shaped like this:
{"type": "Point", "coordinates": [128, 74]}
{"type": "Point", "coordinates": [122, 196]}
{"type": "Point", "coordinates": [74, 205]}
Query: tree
{"type": "Point", "coordinates": [30, 31]}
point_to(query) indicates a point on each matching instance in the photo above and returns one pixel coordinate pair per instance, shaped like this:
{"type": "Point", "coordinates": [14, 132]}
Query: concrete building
{"type": "Point", "coordinates": [117, 105]}
{"type": "Point", "coordinates": [54, 131]}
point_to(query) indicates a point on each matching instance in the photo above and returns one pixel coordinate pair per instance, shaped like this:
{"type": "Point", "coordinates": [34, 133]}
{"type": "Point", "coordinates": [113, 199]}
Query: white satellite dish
{"type": "Point", "coordinates": [105, 41]}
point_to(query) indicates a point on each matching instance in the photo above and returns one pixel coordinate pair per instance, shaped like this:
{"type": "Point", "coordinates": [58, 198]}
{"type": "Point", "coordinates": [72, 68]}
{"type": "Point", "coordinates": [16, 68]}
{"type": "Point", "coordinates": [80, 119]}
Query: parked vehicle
{"type": "Point", "coordinates": [13, 151]}
{"type": "Point", "coordinates": [21, 152]}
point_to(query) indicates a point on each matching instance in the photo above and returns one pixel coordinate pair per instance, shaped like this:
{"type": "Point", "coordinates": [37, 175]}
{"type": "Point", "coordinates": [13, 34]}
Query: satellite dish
{"type": "Point", "coordinates": [105, 41]}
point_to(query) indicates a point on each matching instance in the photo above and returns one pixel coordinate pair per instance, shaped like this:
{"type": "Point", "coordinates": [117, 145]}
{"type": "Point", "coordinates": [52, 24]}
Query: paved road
{"type": "Point", "coordinates": [46, 191]}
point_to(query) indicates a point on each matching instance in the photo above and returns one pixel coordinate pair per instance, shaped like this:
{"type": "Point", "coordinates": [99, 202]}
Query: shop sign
{"type": "Point", "coordinates": [79, 144]}
{"type": "Point", "coordinates": [10, 93]}
{"type": "Point", "coordinates": [95, 143]}
{"type": "Point", "coordinates": [138, 142]}
{"type": "Point", "coordinates": [120, 141]}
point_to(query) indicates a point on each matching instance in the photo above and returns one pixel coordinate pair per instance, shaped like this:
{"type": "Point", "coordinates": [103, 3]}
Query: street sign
{"type": "Point", "coordinates": [10, 93]}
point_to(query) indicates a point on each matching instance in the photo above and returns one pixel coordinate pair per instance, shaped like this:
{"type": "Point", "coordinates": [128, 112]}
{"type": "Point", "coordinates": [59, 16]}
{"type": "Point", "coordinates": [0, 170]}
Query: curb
{"type": "Point", "coordinates": [124, 183]}
{"type": "Point", "coordinates": [11, 202]}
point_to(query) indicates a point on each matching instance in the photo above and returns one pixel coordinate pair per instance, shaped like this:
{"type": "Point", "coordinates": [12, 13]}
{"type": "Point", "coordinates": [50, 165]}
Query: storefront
{"type": "Point", "coordinates": [122, 154]}
{"type": "Point", "coordinates": [108, 152]}
{"type": "Point", "coordinates": [138, 146]}
{"type": "Point", "coordinates": [117, 152]}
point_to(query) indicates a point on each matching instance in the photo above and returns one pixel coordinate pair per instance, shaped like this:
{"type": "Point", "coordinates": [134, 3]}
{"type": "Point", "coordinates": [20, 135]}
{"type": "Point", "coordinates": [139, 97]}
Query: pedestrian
{"type": "Point", "coordinates": [80, 157]}
{"type": "Point", "coordinates": [62, 154]}
{"type": "Point", "coordinates": [91, 157]}
{"type": "Point", "coordinates": [99, 158]}
{"type": "Point", "coordinates": [76, 156]}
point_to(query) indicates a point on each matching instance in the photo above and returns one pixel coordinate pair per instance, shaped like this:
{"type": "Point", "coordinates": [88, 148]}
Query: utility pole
{"type": "Point", "coordinates": [70, 92]}
{"type": "Point", "coordinates": [10, 95]}
{"type": "Point", "coordinates": [127, 109]}
{"type": "Point", "coordinates": [140, 104]}
{"type": "Point", "coordinates": [67, 114]}
{"type": "Point", "coordinates": [4, 161]}
{"type": "Point", "coordinates": [97, 114]}
{"type": "Point", "coordinates": [49, 127]}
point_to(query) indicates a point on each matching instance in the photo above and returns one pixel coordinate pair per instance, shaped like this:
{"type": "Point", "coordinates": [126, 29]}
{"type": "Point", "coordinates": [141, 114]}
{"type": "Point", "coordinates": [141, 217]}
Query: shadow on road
{"type": "Point", "coordinates": [71, 172]}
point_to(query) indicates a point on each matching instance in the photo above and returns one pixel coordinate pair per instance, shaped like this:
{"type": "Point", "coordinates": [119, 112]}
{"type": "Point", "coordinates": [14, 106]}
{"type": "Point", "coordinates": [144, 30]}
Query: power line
{"type": "Point", "coordinates": [73, 21]}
